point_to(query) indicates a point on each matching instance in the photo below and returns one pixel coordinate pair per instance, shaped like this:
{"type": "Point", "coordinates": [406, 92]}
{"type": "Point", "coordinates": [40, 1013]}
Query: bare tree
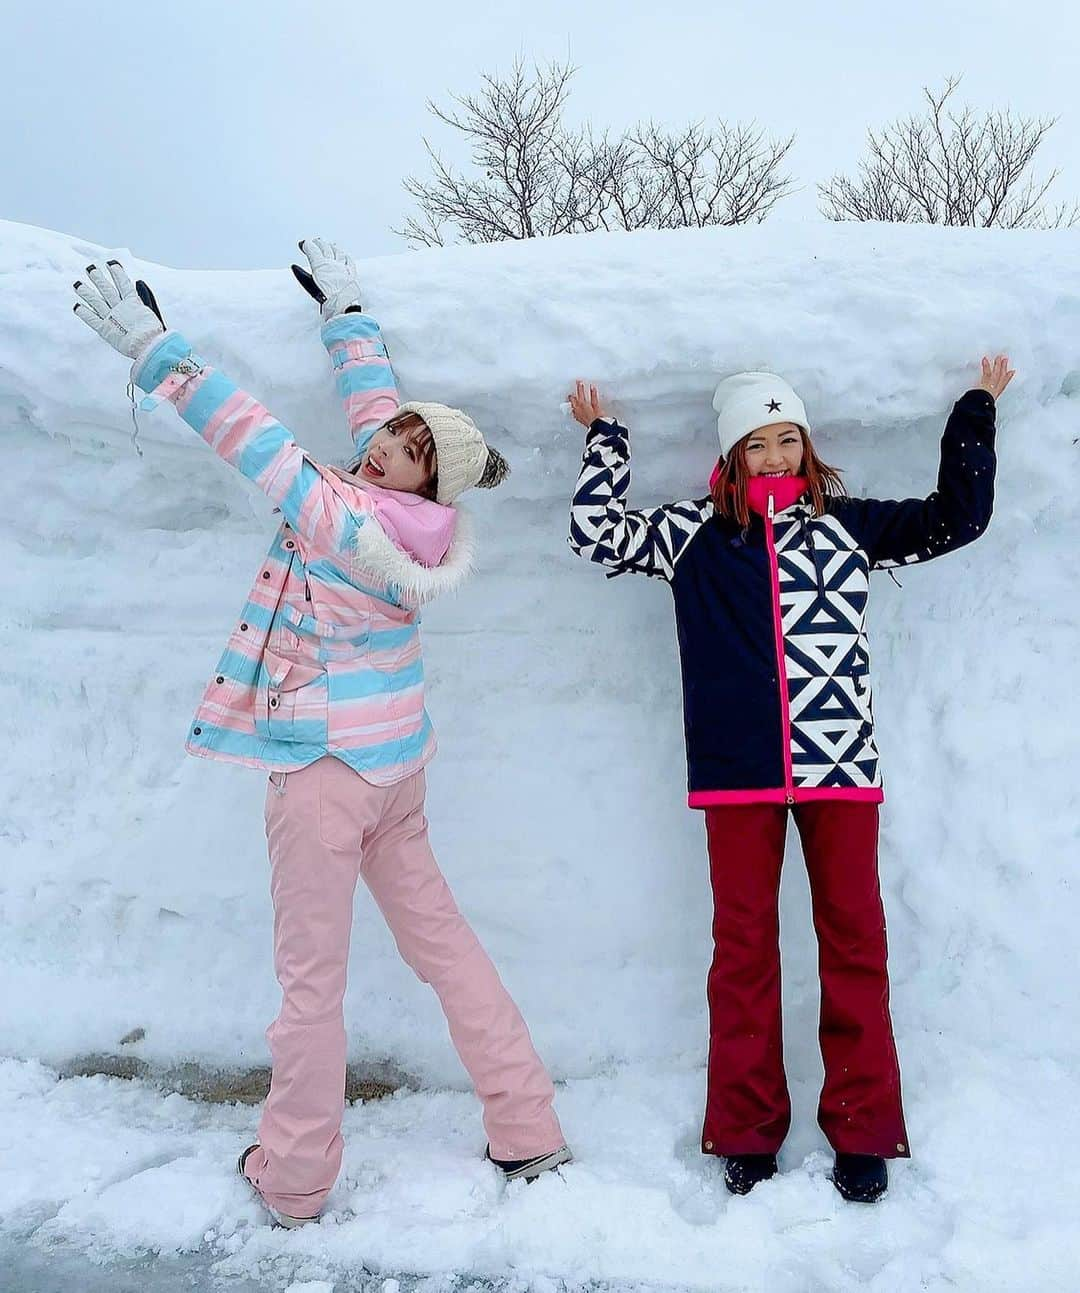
{"type": "Point", "coordinates": [950, 168]}
{"type": "Point", "coordinates": [723, 176]}
{"type": "Point", "coordinates": [530, 165]}
{"type": "Point", "coordinates": [538, 176]}
{"type": "Point", "coordinates": [628, 195]}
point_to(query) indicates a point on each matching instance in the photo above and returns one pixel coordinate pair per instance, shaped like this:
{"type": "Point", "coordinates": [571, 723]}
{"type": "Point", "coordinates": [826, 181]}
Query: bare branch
{"type": "Point", "coordinates": [532, 175]}
{"type": "Point", "coordinates": [950, 168]}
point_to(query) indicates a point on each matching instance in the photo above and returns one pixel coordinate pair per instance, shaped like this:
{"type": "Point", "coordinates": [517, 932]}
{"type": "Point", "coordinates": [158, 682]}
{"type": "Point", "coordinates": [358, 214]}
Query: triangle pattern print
{"type": "Point", "coordinates": [824, 580]}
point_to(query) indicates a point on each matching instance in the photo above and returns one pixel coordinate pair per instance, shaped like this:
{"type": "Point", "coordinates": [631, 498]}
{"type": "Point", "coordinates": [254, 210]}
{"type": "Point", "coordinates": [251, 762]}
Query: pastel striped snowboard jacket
{"type": "Point", "coordinates": [325, 657]}
{"type": "Point", "coordinates": [771, 620]}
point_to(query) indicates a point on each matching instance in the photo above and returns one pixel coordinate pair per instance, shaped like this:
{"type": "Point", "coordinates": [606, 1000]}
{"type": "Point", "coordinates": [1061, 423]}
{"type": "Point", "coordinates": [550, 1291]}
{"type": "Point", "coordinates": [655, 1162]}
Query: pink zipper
{"type": "Point", "coordinates": [778, 632]}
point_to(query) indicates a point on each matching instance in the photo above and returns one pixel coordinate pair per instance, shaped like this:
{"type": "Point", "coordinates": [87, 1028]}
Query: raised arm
{"type": "Point", "coordinates": [602, 528]}
{"type": "Point", "coordinates": [324, 512]}
{"type": "Point", "coordinates": [362, 373]}
{"type": "Point", "coordinates": [904, 532]}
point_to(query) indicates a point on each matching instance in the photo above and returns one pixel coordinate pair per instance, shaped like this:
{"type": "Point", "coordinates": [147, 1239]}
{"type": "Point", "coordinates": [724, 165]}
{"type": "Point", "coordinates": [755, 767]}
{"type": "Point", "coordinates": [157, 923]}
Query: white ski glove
{"type": "Point", "coordinates": [125, 316]}
{"type": "Point", "coordinates": [333, 280]}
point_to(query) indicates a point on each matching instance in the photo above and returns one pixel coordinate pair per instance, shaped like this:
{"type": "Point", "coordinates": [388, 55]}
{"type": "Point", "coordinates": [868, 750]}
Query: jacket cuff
{"type": "Point", "coordinates": [979, 411]}
{"type": "Point", "coordinates": [977, 398]}
{"type": "Point", "coordinates": [605, 427]}
{"type": "Point", "coordinates": [351, 326]}
{"type": "Point", "coordinates": [162, 358]}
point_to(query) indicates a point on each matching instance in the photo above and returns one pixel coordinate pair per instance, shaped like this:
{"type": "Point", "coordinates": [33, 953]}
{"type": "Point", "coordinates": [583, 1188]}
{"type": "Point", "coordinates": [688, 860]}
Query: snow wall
{"type": "Point", "coordinates": [133, 880]}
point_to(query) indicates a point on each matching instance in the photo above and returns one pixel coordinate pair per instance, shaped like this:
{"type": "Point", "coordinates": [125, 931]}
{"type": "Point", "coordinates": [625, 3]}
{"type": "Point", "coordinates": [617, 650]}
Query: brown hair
{"type": "Point", "coordinates": [729, 489]}
{"type": "Point", "coordinates": [418, 435]}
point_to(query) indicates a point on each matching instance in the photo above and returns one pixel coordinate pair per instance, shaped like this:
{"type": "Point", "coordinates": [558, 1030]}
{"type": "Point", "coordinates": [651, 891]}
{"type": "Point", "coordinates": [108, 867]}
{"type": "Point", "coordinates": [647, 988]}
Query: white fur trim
{"type": "Point", "coordinates": [375, 554]}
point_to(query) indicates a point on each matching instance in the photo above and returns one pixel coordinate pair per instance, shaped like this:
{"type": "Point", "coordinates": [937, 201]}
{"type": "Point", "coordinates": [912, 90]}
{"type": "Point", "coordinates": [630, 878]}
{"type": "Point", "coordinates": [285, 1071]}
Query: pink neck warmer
{"type": "Point", "coordinates": [784, 491]}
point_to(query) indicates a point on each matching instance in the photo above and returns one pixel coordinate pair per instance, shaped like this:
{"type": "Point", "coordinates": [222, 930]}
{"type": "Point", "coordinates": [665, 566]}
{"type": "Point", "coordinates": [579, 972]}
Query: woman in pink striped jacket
{"type": "Point", "coordinates": [321, 683]}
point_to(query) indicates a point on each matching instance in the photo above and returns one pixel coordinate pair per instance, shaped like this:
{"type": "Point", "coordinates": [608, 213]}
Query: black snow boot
{"type": "Point", "coordinates": [860, 1178]}
{"type": "Point", "coordinates": [528, 1169]}
{"type": "Point", "coordinates": [744, 1171]}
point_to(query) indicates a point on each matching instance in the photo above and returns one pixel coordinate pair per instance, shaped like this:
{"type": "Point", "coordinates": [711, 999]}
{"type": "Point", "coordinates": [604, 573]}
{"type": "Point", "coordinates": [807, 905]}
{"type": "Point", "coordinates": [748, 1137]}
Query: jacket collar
{"type": "Point", "coordinates": [781, 492]}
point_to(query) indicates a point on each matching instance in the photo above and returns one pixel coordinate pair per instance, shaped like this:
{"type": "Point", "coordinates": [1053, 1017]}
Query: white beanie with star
{"type": "Point", "coordinates": [747, 401]}
{"type": "Point", "coordinates": [463, 457]}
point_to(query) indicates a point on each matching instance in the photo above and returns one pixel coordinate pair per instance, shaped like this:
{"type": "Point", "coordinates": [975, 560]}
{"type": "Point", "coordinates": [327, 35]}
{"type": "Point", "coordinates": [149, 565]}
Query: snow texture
{"type": "Point", "coordinates": [133, 887]}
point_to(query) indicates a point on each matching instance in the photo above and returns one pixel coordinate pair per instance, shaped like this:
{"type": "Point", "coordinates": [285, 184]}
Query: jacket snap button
{"type": "Point", "coordinates": [900, 1146]}
{"type": "Point", "coordinates": [290, 544]}
{"type": "Point", "coordinates": [220, 678]}
{"type": "Point", "coordinates": [243, 628]}
{"type": "Point", "coordinates": [266, 574]}
{"type": "Point", "coordinates": [273, 703]}
{"type": "Point", "coordinates": [708, 1144]}
{"type": "Point", "coordinates": [197, 731]}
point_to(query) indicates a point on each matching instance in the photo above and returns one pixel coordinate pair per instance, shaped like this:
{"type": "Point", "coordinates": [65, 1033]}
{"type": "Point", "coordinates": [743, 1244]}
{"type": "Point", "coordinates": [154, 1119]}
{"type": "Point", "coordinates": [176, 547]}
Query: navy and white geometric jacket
{"type": "Point", "coordinates": [771, 620]}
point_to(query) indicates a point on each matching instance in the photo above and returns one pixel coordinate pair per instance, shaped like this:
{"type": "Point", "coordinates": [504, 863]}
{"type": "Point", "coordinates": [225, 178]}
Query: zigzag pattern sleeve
{"type": "Point", "coordinates": [604, 530]}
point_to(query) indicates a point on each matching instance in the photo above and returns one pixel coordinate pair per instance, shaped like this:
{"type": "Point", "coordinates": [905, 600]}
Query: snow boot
{"type": "Point", "coordinates": [281, 1219]}
{"type": "Point", "coordinates": [860, 1178]}
{"type": "Point", "coordinates": [528, 1169]}
{"type": "Point", "coordinates": [744, 1171]}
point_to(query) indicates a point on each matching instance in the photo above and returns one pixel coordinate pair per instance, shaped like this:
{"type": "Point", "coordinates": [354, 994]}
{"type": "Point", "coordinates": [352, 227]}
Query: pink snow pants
{"type": "Point", "coordinates": [325, 826]}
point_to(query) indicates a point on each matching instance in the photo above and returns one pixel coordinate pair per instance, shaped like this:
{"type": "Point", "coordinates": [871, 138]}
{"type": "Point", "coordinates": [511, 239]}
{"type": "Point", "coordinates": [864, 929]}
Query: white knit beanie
{"type": "Point", "coordinates": [747, 401]}
{"type": "Point", "coordinates": [463, 457]}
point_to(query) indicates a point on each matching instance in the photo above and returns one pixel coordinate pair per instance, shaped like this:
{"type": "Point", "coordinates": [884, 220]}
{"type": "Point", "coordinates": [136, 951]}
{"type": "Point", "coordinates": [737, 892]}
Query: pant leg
{"type": "Point", "coordinates": [860, 1110]}
{"type": "Point", "coordinates": [312, 885]}
{"type": "Point", "coordinates": [747, 1110]}
{"type": "Point", "coordinates": [434, 938]}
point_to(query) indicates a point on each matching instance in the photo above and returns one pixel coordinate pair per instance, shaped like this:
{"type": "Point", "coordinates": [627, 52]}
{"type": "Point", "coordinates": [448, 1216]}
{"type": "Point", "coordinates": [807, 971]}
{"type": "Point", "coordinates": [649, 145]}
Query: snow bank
{"type": "Point", "coordinates": [134, 879]}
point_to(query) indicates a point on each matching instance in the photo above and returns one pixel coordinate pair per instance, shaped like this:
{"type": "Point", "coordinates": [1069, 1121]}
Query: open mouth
{"type": "Point", "coordinates": [774, 474]}
{"type": "Point", "coordinates": [372, 468]}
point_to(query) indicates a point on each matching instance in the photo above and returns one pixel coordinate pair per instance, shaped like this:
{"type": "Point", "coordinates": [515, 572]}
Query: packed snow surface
{"type": "Point", "coordinates": [133, 888]}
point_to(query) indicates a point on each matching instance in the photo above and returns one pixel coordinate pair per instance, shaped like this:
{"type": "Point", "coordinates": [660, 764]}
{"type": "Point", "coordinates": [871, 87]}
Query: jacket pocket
{"type": "Point", "coordinates": [290, 700]}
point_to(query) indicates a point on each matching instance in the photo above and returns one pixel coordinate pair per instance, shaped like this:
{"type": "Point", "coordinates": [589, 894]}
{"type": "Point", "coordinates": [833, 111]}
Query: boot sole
{"type": "Point", "coordinates": [538, 1166]}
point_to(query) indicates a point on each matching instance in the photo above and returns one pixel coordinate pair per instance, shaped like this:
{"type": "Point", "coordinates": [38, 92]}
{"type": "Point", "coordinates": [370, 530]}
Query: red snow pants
{"type": "Point", "coordinates": [748, 1110]}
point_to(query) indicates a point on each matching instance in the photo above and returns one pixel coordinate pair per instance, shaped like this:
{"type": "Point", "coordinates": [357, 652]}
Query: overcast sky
{"type": "Point", "coordinates": [216, 134]}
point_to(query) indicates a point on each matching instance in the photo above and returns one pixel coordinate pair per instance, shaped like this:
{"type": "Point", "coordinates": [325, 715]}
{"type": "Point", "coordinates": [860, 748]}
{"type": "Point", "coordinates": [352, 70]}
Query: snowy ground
{"type": "Point", "coordinates": [132, 880]}
{"type": "Point", "coordinates": [114, 1168]}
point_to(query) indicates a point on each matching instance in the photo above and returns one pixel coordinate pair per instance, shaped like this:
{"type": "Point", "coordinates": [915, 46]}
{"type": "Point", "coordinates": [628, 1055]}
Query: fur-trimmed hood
{"type": "Point", "coordinates": [376, 554]}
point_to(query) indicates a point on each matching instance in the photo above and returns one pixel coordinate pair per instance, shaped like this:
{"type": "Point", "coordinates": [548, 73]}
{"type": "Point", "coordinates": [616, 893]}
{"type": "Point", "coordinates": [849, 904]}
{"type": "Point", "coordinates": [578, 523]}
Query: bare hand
{"type": "Point", "coordinates": [996, 376]}
{"type": "Point", "coordinates": [585, 404]}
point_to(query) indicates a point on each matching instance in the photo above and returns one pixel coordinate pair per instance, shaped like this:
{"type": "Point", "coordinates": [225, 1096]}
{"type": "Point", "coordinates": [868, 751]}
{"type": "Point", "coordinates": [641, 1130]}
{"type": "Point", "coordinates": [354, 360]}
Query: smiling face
{"type": "Point", "coordinates": [401, 456]}
{"type": "Point", "coordinates": [775, 450]}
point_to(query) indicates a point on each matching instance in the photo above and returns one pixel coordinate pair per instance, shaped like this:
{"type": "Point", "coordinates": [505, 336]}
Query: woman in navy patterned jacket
{"type": "Point", "coordinates": [770, 576]}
